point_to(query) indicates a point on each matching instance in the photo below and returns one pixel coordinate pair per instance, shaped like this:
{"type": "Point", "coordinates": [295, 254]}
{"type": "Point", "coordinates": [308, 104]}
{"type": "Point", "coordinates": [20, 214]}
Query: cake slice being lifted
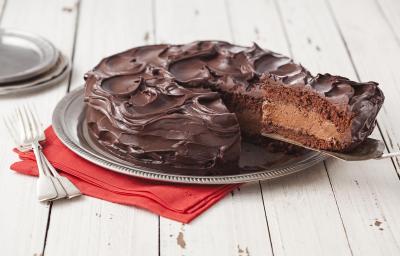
{"type": "Point", "coordinates": [327, 112]}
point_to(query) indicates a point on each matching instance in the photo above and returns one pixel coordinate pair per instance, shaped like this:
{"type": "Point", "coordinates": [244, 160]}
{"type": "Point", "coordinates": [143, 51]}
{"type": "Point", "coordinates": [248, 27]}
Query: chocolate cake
{"type": "Point", "coordinates": [189, 105]}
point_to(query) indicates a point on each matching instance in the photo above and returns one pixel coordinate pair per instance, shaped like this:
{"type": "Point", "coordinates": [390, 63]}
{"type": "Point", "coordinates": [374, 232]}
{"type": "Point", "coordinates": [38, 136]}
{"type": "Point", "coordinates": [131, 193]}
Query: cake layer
{"type": "Point", "coordinates": [337, 112]}
{"type": "Point", "coordinates": [281, 117]}
{"type": "Point", "coordinates": [162, 103]}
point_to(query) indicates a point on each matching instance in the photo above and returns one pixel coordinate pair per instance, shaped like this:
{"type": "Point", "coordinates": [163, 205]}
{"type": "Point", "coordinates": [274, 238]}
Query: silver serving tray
{"type": "Point", "coordinates": [24, 55]}
{"type": "Point", "coordinates": [70, 126]}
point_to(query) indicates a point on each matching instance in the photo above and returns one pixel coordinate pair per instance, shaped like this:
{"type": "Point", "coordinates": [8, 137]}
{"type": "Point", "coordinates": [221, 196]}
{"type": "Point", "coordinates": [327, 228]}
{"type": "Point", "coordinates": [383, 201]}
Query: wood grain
{"type": "Point", "coordinates": [234, 226]}
{"type": "Point", "coordinates": [374, 48]}
{"type": "Point", "coordinates": [2, 6]}
{"type": "Point", "coordinates": [389, 10]}
{"type": "Point", "coordinates": [336, 208]}
{"type": "Point", "coordinates": [237, 224]}
{"type": "Point", "coordinates": [89, 226]}
{"type": "Point", "coordinates": [301, 209]}
{"type": "Point", "coordinates": [375, 183]}
{"type": "Point", "coordinates": [318, 43]}
{"type": "Point", "coordinates": [105, 29]}
{"type": "Point", "coordinates": [23, 220]}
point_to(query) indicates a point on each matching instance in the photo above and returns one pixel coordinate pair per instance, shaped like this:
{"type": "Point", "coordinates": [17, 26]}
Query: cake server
{"type": "Point", "coordinates": [368, 149]}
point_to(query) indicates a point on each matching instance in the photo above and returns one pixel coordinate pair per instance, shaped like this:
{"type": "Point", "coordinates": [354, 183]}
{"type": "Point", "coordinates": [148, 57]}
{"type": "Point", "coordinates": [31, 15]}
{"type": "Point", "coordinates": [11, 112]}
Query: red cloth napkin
{"type": "Point", "coordinates": [179, 202]}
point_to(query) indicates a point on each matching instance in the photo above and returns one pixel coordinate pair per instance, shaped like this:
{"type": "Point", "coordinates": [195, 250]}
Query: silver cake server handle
{"type": "Point", "coordinates": [368, 149]}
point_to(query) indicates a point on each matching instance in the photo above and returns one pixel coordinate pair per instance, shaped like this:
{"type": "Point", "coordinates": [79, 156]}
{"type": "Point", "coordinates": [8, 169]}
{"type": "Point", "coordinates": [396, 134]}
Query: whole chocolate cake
{"type": "Point", "coordinates": [189, 105]}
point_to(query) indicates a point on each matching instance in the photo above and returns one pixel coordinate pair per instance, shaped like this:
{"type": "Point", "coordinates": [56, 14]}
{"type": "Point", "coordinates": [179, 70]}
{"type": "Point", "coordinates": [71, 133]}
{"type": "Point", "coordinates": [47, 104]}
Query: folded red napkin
{"type": "Point", "coordinates": [179, 202]}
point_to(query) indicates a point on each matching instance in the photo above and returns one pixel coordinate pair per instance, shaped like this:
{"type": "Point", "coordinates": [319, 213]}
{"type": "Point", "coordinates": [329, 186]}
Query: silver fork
{"type": "Point", "coordinates": [31, 132]}
{"type": "Point", "coordinates": [70, 189]}
{"type": "Point", "coordinates": [29, 135]}
{"type": "Point", "coordinates": [25, 136]}
{"type": "Point", "coordinates": [66, 185]}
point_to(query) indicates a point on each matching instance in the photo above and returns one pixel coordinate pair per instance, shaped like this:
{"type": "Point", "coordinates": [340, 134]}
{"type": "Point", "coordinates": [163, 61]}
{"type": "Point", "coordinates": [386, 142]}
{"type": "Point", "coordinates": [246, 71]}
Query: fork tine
{"type": "Point", "coordinates": [6, 124]}
{"type": "Point", "coordinates": [46, 189]}
{"type": "Point", "coordinates": [31, 122]}
{"type": "Point", "coordinates": [10, 130]}
{"type": "Point", "coordinates": [36, 122]}
{"type": "Point", "coordinates": [13, 123]}
{"type": "Point", "coordinates": [23, 126]}
{"type": "Point", "coordinates": [41, 128]}
{"type": "Point", "coordinates": [29, 118]}
{"type": "Point", "coordinates": [26, 122]}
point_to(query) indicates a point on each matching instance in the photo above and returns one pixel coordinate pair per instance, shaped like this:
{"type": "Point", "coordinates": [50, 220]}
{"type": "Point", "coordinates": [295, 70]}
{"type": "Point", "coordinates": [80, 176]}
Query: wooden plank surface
{"type": "Point", "coordinates": [389, 12]}
{"type": "Point", "coordinates": [376, 184]}
{"type": "Point", "coordinates": [380, 39]}
{"type": "Point", "coordinates": [237, 224]}
{"type": "Point", "coordinates": [23, 220]}
{"type": "Point", "coordinates": [318, 44]}
{"type": "Point", "coordinates": [89, 226]}
{"type": "Point", "coordinates": [2, 6]}
{"type": "Point", "coordinates": [335, 208]}
{"type": "Point", "coordinates": [316, 41]}
{"type": "Point", "coordinates": [234, 226]}
{"type": "Point", "coordinates": [306, 200]}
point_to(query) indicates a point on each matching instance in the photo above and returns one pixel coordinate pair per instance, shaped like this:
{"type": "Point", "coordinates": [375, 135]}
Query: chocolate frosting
{"type": "Point", "coordinates": [159, 104]}
{"type": "Point", "coordinates": [362, 100]}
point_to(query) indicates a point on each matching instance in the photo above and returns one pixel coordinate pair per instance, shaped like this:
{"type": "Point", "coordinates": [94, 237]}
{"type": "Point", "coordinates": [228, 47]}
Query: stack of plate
{"type": "Point", "coordinates": [29, 62]}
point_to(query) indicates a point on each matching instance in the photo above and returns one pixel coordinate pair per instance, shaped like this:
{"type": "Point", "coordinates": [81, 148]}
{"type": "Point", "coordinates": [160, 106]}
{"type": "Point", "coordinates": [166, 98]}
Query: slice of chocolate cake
{"type": "Point", "coordinates": [327, 112]}
{"type": "Point", "coordinates": [181, 105]}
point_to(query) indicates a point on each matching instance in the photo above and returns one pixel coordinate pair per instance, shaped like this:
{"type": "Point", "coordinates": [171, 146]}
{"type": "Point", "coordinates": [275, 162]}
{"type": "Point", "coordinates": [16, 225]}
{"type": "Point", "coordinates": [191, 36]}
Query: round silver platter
{"type": "Point", "coordinates": [70, 126]}
{"type": "Point", "coordinates": [24, 55]}
{"type": "Point", "coordinates": [54, 76]}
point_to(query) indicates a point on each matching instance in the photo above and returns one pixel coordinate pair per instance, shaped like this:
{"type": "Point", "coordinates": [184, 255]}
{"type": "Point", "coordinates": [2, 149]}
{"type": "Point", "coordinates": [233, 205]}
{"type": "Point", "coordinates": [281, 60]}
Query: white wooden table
{"type": "Point", "coordinates": [335, 208]}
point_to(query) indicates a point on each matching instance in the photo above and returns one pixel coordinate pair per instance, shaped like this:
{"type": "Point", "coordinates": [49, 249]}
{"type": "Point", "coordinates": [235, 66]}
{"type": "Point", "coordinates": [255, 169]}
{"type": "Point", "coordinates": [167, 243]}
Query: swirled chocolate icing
{"type": "Point", "coordinates": [162, 104]}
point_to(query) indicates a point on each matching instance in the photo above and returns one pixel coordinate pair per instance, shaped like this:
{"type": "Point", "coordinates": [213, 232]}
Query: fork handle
{"type": "Point", "coordinates": [70, 189]}
{"type": "Point", "coordinates": [36, 150]}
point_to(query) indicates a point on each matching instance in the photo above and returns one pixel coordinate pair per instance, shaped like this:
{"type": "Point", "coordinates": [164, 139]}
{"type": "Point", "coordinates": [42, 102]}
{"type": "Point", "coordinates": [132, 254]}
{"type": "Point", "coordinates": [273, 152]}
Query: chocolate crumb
{"type": "Point", "coordinates": [242, 252]}
{"type": "Point", "coordinates": [180, 240]}
{"type": "Point", "coordinates": [146, 36]}
{"type": "Point", "coordinates": [67, 9]}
